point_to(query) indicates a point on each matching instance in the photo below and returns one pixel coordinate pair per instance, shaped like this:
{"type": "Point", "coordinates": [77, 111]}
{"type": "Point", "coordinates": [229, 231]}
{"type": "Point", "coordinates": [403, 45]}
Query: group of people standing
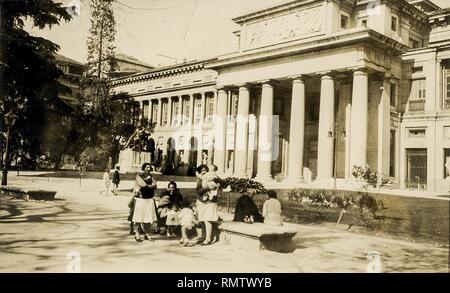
{"type": "Point", "coordinates": [170, 214]}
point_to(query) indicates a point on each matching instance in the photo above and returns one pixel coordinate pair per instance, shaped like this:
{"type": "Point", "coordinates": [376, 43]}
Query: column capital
{"type": "Point", "coordinates": [297, 78]}
{"type": "Point", "coordinates": [361, 70]}
{"type": "Point", "coordinates": [220, 88]}
{"type": "Point", "coordinates": [266, 81]}
{"type": "Point", "coordinates": [243, 86]}
{"type": "Point", "coordinates": [326, 74]}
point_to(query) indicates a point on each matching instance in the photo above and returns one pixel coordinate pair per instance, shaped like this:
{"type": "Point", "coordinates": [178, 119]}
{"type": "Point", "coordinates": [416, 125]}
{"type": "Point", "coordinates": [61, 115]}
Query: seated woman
{"type": "Point", "coordinates": [246, 208]}
{"type": "Point", "coordinates": [170, 199]}
{"type": "Point", "coordinates": [272, 210]}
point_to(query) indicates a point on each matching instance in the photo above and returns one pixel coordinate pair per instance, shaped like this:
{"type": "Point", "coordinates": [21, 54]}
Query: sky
{"type": "Point", "coordinates": [162, 31]}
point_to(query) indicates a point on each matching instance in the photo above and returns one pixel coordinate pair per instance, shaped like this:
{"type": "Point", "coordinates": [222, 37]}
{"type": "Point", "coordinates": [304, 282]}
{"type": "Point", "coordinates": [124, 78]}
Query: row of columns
{"type": "Point", "coordinates": [181, 118]}
{"type": "Point", "coordinates": [358, 128]}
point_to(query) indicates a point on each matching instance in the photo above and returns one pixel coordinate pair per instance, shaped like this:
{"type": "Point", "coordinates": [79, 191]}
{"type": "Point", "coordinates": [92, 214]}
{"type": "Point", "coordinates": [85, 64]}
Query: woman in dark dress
{"type": "Point", "coordinates": [246, 208]}
{"type": "Point", "coordinates": [169, 198]}
{"type": "Point", "coordinates": [144, 213]}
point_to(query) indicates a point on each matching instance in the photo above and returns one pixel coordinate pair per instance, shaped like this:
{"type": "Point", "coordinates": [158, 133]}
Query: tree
{"type": "Point", "coordinates": [100, 51]}
{"type": "Point", "coordinates": [109, 127]}
{"type": "Point", "coordinates": [28, 75]}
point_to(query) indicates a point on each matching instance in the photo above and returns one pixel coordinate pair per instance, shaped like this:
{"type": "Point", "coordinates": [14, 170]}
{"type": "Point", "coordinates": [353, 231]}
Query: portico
{"type": "Point", "coordinates": [320, 85]}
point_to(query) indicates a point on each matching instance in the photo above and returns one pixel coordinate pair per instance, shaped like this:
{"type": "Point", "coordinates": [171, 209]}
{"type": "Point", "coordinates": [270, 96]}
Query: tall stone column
{"type": "Point", "coordinates": [241, 143]}
{"type": "Point", "coordinates": [384, 128]}
{"type": "Point", "coordinates": [359, 119]}
{"type": "Point", "coordinates": [169, 111]}
{"type": "Point", "coordinates": [265, 139]}
{"type": "Point", "coordinates": [159, 118]}
{"type": "Point", "coordinates": [203, 111]}
{"type": "Point", "coordinates": [220, 130]}
{"type": "Point", "coordinates": [180, 111]}
{"type": "Point", "coordinates": [297, 131]}
{"type": "Point", "coordinates": [149, 110]}
{"type": "Point", "coordinates": [191, 109]}
{"type": "Point", "coordinates": [325, 152]}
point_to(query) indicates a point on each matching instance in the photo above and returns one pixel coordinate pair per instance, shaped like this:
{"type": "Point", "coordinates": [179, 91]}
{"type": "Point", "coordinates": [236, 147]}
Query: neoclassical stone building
{"type": "Point", "coordinates": [315, 88]}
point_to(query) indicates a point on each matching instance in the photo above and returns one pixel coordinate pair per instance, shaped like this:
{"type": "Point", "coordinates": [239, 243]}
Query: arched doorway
{"type": "Point", "coordinates": [152, 149]}
{"type": "Point", "coordinates": [169, 159]}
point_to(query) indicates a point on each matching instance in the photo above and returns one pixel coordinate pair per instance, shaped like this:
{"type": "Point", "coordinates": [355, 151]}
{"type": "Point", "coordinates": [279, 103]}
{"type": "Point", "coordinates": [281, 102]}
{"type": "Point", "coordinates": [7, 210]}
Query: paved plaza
{"type": "Point", "coordinates": [38, 236]}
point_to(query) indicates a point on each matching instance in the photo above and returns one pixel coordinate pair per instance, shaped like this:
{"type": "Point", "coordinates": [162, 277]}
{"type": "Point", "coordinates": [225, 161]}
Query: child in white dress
{"type": "Point", "coordinates": [172, 221]}
{"type": "Point", "coordinates": [187, 220]}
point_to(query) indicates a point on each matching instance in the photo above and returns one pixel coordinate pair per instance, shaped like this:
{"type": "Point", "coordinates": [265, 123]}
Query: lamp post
{"type": "Point", "coordinates": [10, 120]}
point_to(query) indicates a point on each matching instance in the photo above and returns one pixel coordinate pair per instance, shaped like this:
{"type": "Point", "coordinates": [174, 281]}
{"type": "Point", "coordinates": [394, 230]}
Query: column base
{"type": "Point", "coordinates": [295, 181]}
{"type": "Point", "coordinates": [326, 182]}
{"type": "Point", "coordinates": [241, 176]}
{"type": "Point", "coordinates": [264, 179]}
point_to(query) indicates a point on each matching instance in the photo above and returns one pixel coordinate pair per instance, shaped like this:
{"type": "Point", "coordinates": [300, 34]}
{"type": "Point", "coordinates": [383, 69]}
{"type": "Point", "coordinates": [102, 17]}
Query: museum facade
{"type": "Point", "coordinates": [315, 89]}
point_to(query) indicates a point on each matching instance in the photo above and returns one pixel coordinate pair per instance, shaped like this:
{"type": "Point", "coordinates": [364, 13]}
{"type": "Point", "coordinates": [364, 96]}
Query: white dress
{"type": "Point", "coordinates": [144, 211]}
{"type": "Point", "coordinates": [272, 212]}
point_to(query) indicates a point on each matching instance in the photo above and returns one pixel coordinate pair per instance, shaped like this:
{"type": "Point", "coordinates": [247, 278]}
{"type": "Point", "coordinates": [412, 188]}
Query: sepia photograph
{"type": "Point", "coordinates": [224, 136]}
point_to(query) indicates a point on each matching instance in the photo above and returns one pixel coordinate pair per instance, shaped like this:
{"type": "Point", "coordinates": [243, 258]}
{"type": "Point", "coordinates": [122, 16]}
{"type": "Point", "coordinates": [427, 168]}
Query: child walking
{"type": "Point", "coordinates": [106, 183]}
{"type": "Point", "coordinates": [187, 221]}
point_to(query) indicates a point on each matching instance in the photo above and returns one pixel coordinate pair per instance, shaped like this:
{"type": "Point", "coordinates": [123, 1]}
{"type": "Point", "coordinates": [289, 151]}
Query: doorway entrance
{"type": "Point", "coordinates": [416, 168]}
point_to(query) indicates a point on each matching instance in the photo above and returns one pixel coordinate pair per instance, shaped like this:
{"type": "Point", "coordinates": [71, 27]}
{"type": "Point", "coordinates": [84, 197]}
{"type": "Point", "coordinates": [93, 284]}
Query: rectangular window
{"type": "Point", "coordinates": [393, 95]}
{"type": "Point", "coordinates": [145, 110]}
{"type": "Point", "coordinates": [392, 154]}
{"type": "Point", "coordinates": [186, 111]}
{"type": "Point", "coordinates": [233, 107]}
{"type": "Point", "coordinates": [417, 69]}
{"type": "Point", "coordinates": [175, 113]}
{"type": "Point", "coordinates": [155, 112]}
{"type": "Point", "coordinates": [364, 22]}
{"type": "Point", "coordinates": [447, 89]}
{"type": "Point", "coordinates": [446, 163]}
{"type": "Point", "coordinates": [198, 110]}
{"type": "Point", "coordinates": [416, 169]}
{"type": "Point", "coordinates": [418, 90]}
{"type": "Point", "coordinates": [209, 109]}
{"type": "Point", "coordinates": [416, 133]}
{"type": "Point", "coordinates": [165, 113]}
{"type": "Point", "coordinates": [394, 23]}
{"type": "Point", "coordinates": [344, 21]}
{"type": "Point", "coordinates": [413, 43]}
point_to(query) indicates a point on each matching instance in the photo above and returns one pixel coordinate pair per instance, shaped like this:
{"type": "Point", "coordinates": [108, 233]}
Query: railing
{"type": "Point", "coordinates": [416, 105]}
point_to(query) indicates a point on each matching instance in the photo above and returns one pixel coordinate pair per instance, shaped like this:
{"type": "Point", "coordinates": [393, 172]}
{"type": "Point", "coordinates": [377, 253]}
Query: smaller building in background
{"type": "Point", "coordinates": [128, 65]}
{"type": "Point", "coordinates": [73, 71]}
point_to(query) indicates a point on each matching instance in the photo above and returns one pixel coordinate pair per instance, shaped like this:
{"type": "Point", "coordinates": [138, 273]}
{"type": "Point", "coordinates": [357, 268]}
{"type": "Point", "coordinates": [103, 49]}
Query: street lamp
{"type": "Point", "coordinates": [10, 120]}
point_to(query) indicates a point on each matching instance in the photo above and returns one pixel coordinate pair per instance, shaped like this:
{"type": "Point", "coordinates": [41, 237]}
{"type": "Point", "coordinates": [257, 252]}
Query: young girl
{"type": "Point", "coordinates": [172, 221]}
{"type": "Point", "coordinates": [187, 220]}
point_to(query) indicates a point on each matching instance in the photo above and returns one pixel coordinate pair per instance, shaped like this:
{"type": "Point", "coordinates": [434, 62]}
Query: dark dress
{"type": "Point", "coordinates": [116, 177]}
{"type": "Point", "coordinates": [245, 206]}
{"type": "Point", "coordinates": [175, 197]}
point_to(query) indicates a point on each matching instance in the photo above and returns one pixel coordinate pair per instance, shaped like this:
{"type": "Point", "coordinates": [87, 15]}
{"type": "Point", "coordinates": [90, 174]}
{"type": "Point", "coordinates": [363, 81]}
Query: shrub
{"type": "Point", "coordinates": [241, 185]}
{"type": "Point", "coordinates": [365, 174]}
{"type": "Point", "coordinates": [334, 198]}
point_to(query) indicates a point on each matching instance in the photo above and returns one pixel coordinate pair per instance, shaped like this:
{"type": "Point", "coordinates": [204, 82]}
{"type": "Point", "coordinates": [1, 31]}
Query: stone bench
{"type": "Point", "coordinates": [26, 194]}
{"type": "Point", "coordinates": [258, 236]}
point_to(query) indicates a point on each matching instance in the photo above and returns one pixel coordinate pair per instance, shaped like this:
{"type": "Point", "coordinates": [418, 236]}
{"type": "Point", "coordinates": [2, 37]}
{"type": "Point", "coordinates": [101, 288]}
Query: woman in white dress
{"type": "Point", "coordinates": [145, 213]}
{"type": "Point", "coordinates": [272, 210]}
